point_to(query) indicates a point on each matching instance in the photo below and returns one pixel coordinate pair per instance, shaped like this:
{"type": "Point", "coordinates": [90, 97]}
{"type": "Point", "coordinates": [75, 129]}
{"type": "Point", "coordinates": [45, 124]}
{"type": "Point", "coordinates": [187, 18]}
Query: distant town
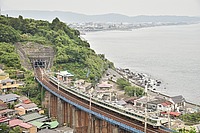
{"type": "Point", "coordinates": [95, 26]}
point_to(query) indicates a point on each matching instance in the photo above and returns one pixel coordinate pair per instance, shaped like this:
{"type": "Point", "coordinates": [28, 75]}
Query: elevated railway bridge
{"type": "Point", "coordinates": [86, 115]}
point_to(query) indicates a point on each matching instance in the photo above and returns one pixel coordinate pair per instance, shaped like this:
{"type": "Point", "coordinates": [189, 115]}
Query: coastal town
{"type": "Point", "coordinates": [51, 81]}
{"type": "Point", "coordinates": [20, 111]}
{"type": "Point", "coordinates": [97, 26]}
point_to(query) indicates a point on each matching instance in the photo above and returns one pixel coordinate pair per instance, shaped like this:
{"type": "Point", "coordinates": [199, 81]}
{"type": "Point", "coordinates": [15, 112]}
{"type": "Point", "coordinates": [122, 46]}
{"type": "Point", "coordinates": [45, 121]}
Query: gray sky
{"type": "Point", "coordinates": [126, 7]}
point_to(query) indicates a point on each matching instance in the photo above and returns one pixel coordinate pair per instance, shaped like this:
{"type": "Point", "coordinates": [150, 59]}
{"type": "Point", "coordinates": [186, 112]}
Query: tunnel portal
{"type": "Point", "coordinates": [34, 55]}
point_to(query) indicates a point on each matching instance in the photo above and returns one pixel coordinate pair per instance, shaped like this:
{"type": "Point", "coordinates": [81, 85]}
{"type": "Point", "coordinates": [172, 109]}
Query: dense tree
{"type": "Point", "coordinates": [122, 83]}
{"type": "Point", "coordinates": [8, 56]}
{"type": "Point", "coordinates": [191, 119]}
{"type": "Point", "coordinates": [71, 53]}
{"type": "Point", "coordinates": [4, 128]}
{"type": "Point", "coordinates": [134, 91]}
{"type": "Point", "coordinates": [8, 34]}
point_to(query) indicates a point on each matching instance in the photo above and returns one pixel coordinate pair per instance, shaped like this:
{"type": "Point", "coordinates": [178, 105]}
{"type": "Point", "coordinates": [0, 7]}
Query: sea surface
{"type": "Point", "coordinates": [168, 53]}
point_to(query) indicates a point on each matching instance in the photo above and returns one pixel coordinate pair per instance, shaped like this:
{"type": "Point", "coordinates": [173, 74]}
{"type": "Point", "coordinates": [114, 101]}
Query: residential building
{"type": "Point", "coordinates": [9, 113]}
{"type": "Point", "coordinates": [45, 125]}
{"type": "Point", "coordinates": [3, 75]}
{"type": "Point", "coordinates": [104, 86]}
{"type": "Point", "coordinates": [24, 108]}
{"type": "Point", "coordinates": [33, 117]}
{"type": "Point", "coordinates": [82, 85]}
{"type": "Point", "coordinates": [178, 103]}
{"type": "Point", "coordinates": [159, 105]}
{"type": "Point", "coordinates": [9, 98]}
{"type": "Point", "coordinates": [24, 127]}
{"type": "Point", "coordinates": [65, 77]}
{"type": "Point", "coordinates": [8, 84]}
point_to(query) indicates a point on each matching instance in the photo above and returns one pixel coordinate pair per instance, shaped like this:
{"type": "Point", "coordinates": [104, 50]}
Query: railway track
{"type": "Point", "coordinates": [110, 114]}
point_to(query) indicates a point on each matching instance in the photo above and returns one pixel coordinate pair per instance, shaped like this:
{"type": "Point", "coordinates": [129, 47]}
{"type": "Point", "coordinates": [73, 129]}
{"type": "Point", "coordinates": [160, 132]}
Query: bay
{"type": "Point", "coordinates": [168, 53]}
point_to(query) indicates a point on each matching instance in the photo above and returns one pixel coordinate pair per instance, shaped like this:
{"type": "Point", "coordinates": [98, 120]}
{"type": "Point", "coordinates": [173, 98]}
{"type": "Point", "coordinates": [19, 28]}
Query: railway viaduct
{"type": "Point", "coordinates": [69, 109]}
{"type": "Point", "coordinates": [82, 118]}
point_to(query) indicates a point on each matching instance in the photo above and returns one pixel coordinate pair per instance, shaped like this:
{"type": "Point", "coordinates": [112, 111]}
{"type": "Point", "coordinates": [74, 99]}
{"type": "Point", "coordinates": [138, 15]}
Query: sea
{"type": "Point", "coordinates": [170, 54]}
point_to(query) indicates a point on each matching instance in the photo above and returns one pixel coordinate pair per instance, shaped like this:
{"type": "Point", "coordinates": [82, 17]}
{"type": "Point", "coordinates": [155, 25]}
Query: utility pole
{"type": "Point", "coordinates": [145, 121]}
{"type": "Point", "coordinates": [169, 121]}
{"type": "Point", "coordinates": [58, 79]}
{"type": "Point", "coordinates": [90, 115]}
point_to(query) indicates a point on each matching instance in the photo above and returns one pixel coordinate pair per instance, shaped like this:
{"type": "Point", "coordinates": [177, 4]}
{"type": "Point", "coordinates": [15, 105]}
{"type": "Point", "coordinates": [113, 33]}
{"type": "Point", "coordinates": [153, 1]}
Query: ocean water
{"type": "Point", "coordinates": [168, 53]}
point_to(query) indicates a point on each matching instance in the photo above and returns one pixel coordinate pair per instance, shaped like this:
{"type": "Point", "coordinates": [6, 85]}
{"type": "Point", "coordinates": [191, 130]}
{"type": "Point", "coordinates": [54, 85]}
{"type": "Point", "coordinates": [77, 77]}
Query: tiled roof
{"type": "Point", "coordinates": [6, 111]}
{"type": "Point", "coordinates": [9, 97]}
{"type": "Point", "coordinates": [25, 125]}
{"type": "Point", "coordinates": [26, 106]}
{"type": "Point", "coordinates": [3, 119]}
{"type": "Point", "coordinates": [178, 99]}
{"type": "Point", "coordinates": [17, 122]}
{"type": "Point", "coordinates": [14, 122]}
{"type": "Point", "coordinates": [166, 103]}
{"type": "Point", "coordinates": [33, 117]}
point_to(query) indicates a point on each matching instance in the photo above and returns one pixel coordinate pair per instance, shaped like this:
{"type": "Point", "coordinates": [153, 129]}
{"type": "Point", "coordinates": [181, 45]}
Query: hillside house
{"type": "Point", "coordinates": [104, 86]}
{"type": "Point", "coordinates": [24, 127]}
{"type": "Point", "coordinates": [8, 84]}
{"type": "Point", "coordinates": [9, 98]}
{"type": "Point", "coordinates": [82, 85]}
{"type": "Point", "coordinates": [178, 103]}
{"type": "Point", "coordinates": [24, 108]}
{"type": "Point", "coordinates": [159, 105]}
{"type": "Point", "coordinates": [64, 76]}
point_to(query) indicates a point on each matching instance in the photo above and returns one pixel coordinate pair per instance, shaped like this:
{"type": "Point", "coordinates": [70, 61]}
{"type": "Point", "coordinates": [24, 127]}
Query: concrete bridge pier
{"type": "Point", "coordinates": [80, 121]}
{"type": "Point", "coordinates": [60, 111]}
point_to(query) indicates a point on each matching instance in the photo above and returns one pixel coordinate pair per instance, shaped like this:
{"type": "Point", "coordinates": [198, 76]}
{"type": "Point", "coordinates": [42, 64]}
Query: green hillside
{"type": "Point", "coordinates": [72, 53]}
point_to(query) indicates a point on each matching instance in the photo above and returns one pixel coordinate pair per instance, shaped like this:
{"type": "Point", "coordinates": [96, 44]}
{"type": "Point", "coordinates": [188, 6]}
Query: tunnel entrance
{"type": "Point", "coordinates": [39, 63]}
{"type": "Point", "coordinates": [42, 62]}
{"type": "Point", "coordinates": [34, 55]}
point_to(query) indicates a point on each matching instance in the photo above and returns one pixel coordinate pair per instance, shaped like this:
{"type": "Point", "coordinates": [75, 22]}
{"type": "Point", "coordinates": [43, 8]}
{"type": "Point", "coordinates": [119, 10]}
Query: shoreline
{"type": "Point", "coordinates": [126, 73]}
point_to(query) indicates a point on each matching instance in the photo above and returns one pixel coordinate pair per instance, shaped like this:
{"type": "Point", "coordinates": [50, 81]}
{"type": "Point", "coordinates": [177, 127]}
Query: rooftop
{"type": "Point", "coordinates": [65, 74]}
{"type": "Point", "coordinates": [26, 106]}
{"type": "Point", "coordinates": [7, 81]}
{"type": "Point", "coordinates": [104, 85]}
{"type": "Point", "coordinates": [9, 97]}
{"type": "Point", "coordinates": [33, 117]}
{"type": "Point", "coordinates": [161, 101]}
{"type": "Point", "coordinates": [4, 119]}
{"type": "Point", "coordinates": [40, 125]}
{"type": "Point", "coordinates": [47, 131]}
{"type": "Point", "coordinates": [14, 122]}
{"type": "Point", "coordinates": [178, 99]}
{"type": "Point", "coordinates": [17, 122]}
{"type": "Point", "coordinates": [6, 111]}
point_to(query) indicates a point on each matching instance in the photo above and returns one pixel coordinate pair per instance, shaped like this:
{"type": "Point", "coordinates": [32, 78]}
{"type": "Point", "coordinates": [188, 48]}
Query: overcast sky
{"type": "Point", "coordinates": [93, 7]}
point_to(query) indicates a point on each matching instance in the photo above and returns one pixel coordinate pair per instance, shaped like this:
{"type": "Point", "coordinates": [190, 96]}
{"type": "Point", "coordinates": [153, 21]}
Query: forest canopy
{"type": "Point", "coordinates": [71, 52]}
